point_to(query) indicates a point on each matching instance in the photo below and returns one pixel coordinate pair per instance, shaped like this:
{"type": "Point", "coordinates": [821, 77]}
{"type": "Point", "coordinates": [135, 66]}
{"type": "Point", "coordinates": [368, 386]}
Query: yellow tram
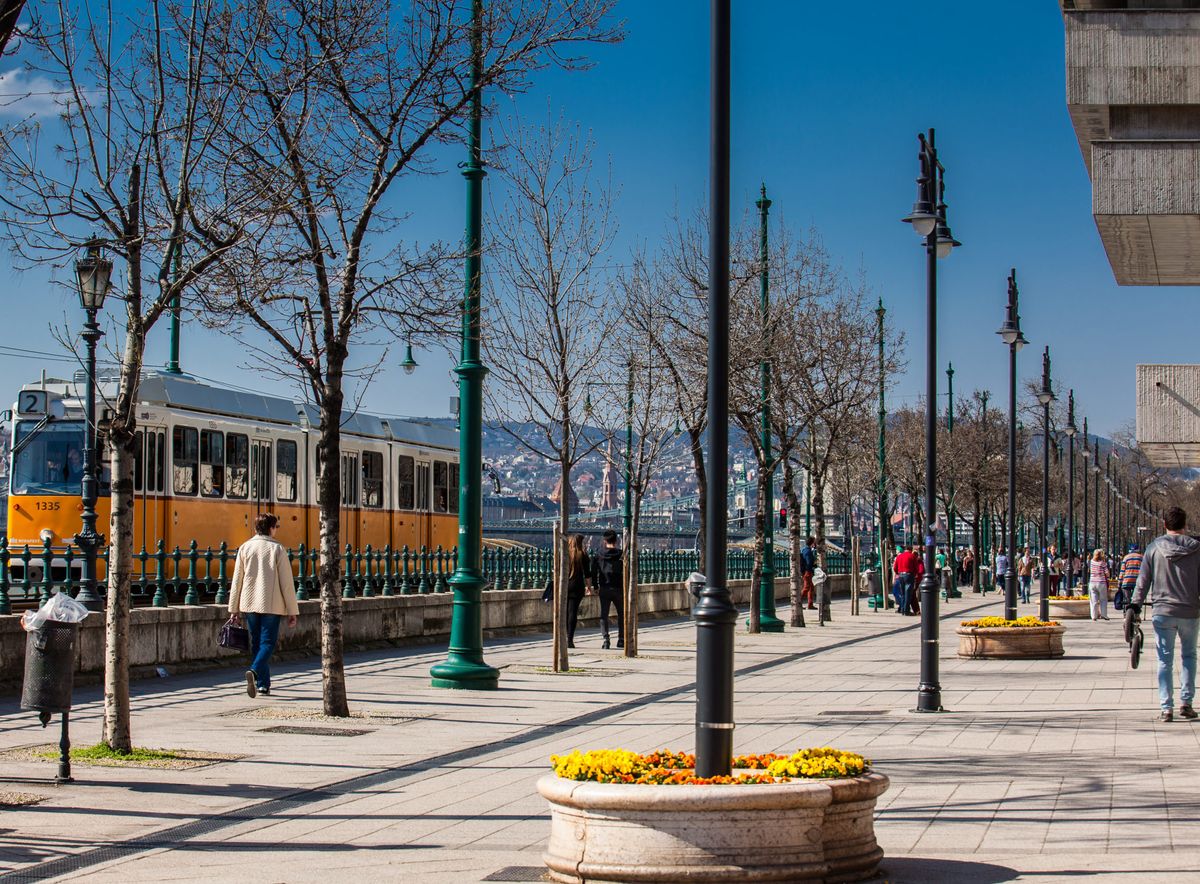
{"type": "Point", "coordinates": [210, 459]}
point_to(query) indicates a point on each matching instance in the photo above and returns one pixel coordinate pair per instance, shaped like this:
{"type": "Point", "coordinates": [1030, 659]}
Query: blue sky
{"type": "Point", "coordinates": [827, 103]}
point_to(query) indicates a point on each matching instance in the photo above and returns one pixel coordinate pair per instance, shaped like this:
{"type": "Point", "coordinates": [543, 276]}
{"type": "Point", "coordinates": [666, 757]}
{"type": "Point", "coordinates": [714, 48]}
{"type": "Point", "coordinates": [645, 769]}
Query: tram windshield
{"type": "Point", "coordinates": [52, 462]}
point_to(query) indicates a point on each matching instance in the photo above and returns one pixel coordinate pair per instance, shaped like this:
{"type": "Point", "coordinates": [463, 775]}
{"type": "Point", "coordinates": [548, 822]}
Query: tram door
{"type": "Point", "coordinates": [150, 488]}
{"type": "Point", "coordinates": [424, 500]}
{"type": "Point", "coordinates": [351, 484]}
{"type": "Point", "coordinates": [261, 475]}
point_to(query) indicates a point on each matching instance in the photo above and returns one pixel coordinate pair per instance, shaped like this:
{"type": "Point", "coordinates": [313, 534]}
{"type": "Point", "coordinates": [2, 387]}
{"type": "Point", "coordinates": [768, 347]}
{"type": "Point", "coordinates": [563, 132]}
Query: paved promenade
{"type": "Point", "coordinates": [1040, 771]}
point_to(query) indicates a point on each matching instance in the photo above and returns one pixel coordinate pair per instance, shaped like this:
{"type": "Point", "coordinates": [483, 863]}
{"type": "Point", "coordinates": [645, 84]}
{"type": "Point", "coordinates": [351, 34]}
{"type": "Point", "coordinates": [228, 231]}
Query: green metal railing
{"type": "Point", "coordinates": [195, 575]}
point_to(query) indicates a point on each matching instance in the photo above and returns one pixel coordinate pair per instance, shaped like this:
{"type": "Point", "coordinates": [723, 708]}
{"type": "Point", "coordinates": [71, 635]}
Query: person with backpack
{"type": "Point", "coordinates": [808, 564]}
{"type": "Point", "coordinates": [1170, 576]}
{"type": "Point", "coordinates": [608, 578]}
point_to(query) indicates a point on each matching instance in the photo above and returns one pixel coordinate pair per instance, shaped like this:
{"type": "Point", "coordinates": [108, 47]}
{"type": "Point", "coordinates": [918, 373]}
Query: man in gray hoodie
{"type": "Point", "coordinates": [1170, 574]}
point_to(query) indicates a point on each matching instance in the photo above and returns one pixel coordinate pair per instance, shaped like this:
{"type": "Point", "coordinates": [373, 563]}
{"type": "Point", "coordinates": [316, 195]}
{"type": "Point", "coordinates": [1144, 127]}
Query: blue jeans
{"type": "Point", "coordinates": [1026, 580]}
{"type": "Point", "coordinates": [1165, 629]}
{"type": "Point", "coordinates": [264, 635]}
{"type": "Point", "coordinates": [907, 589]}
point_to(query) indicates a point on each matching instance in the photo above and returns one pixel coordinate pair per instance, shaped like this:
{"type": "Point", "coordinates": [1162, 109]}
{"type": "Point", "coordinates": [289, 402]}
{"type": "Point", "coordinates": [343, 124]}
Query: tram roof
{"type": "Point", "coordinates": [183, 391]}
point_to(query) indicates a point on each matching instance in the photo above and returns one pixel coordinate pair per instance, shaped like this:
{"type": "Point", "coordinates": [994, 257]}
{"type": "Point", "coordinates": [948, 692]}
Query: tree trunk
{"type": "Point", "coordinates": [818, 506]}
{"type": "Point", "coordinates": [117, 714]}
{"type": "Point", "coordinates": [561, 657]}
{"type": "Point", "coordinates": [329, 501]}
{"type": "Point", "coordinates": [980, 555]}
{"type": "Point", "coordinates": [629, 623]}
{"type": "Point", "coordinates": [701, 495]}
{"type": "Point", "coordinates": [795, 581]}
{"type": "Point", "coordinates": [760, 538]}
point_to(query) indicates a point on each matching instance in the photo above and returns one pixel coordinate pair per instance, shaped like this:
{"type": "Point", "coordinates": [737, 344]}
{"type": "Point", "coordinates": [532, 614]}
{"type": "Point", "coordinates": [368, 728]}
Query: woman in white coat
{"type": "Point", "coordinates": [263, 593]}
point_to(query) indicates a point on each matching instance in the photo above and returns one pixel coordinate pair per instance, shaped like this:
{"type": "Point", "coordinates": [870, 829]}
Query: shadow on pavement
{"type": "Point", "coordinates": [915, 870]}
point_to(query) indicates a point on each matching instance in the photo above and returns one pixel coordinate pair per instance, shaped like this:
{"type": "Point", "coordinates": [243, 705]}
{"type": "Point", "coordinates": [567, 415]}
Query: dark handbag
{"type": "Point", "coordinates": [234, 637]}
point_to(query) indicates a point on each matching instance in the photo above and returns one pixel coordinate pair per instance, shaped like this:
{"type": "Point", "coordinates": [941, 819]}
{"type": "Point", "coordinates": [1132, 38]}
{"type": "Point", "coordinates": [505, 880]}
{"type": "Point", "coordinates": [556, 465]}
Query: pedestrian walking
{"type": "Point", "coordinates": [1001, 575]}
{"type": "Point", "coordinates": [1169, 579]}
{"type": "Point", "coordinates": [903, 568]}
{"type": "Point", "coordinates": [577, 588]}
{"type": "Point", "coordinates": [1098, 575]}
{"type": "Point", "coordinates": [263, 592]}
{"type": "Point", "coordinates": [1127, 577]}
{"type": "Point", "coordinates": [1054, 567]}
{"type": "Point", "coordinates": [808, 564]}
{"type": "Point", "coordinates": [1025, 567]}
{"type": "Point", "coordinates": [609, 580]}
{"type": "Point", "coordinates": [968, 568]}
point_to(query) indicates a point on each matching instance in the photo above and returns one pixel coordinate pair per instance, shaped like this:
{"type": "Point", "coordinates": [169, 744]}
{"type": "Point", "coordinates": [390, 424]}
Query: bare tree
{"type": "Point", "coordinates": [10, 11]}
{"type": "Point", "coordinates": [650, 405]}
{"type": "Point", "coordinates": [546, 330]}
{"type": "Point", "coordinates": [131, 165]}
{"type": "Point", "coordinates": [353, 96]}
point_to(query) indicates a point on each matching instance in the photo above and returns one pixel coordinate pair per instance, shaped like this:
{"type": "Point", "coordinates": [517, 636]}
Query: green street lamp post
{"type": "Point", "coordinates": [1070, 431]}
{"type": "Point", "coordinates": [93, 273]}
{"type": "Point", "coordinates": [1087, 454]}
{"type": "Point", "coordinates": [1045, 396]}
{"type": "Point", "coordinates": [885, 527]}
{"type": "Point", "coordinates": [986, 539]}
{"type": "Point", "coordinates": [176, 310]}
{"type": "Point", "coordinates": [767, 621]}
{"type": "Point", "coordinates": [952, 591]}
{"type": "Point", "coordinates": [464, 666]}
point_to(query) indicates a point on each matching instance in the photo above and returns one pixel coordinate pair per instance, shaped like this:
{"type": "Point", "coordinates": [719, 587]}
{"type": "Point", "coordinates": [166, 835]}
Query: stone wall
{"type": "Point", "coordinates": [185, 637]}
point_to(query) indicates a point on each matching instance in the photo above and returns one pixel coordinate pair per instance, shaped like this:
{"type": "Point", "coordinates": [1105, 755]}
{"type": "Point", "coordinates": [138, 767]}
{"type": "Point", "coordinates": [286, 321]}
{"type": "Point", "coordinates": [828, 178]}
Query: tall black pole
{"type": "Point", "coordinates": [1046, 397]}
{"type": "Point", "coordinates": [1086, 548]}
{"type": "Point", "coordinates": [1011, 334]}
{"type": "Point", "coordinates": [715, 613]}
{"type": "Point", "coordinates": [1070, 491]}
{"type": "Point", "coordinates": [929, 691]}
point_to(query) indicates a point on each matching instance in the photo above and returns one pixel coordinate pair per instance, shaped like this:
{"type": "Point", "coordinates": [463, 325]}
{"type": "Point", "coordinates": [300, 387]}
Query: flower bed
{"type": "Point", "coordinates": [621, 816]}
{"type": "Point", "coordinates": [1023, 638]}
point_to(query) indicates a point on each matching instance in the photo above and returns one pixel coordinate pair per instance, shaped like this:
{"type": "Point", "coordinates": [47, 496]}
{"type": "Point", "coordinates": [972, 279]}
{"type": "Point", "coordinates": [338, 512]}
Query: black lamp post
{"type": "Point", "coordinates": [1070, 432]}
{"type": "Point", "coordinates": [1087, 454]}
{"type": "Point", "coordinates": [928, 219]}
{"type": "Point", "coordinates": [1010, 333]}
{"type": "Point", "coordinates": [94, 274]}
{"type": "Point", "coordinates": [715, 613]}
{"type": "Point", "coordinates": [1045, 397]}
{"type": "Point", "coordinates": [1099, 541]}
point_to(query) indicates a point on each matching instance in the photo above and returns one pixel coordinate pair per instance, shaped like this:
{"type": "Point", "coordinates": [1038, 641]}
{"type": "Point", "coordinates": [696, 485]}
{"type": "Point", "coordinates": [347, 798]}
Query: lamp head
{"type": "Point", "coordinates": [922, 217]}
{"type": "Point", "coordinates": [408, 364]}
{"type": "Point", "coordinates": [93, 272]}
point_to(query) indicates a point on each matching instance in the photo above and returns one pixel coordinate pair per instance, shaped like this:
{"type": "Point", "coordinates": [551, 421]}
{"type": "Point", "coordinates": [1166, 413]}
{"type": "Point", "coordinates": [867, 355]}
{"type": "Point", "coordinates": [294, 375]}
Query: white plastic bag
{"type": "Point", "coordinates": [819, 575]}
{"type": "Point", "coordinates": [61, 608]}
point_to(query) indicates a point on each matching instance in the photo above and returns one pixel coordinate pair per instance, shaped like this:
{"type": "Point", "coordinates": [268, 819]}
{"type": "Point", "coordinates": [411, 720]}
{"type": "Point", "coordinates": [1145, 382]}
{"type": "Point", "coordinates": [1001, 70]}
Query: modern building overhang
{"type": "Point", "coordinates": [1133, 93]}
{"type": "Point", "coordinates": [1168, 414]}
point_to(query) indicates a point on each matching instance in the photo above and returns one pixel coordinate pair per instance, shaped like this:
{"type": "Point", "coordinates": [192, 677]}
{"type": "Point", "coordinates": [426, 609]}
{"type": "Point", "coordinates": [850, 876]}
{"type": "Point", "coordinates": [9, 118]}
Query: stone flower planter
{"type": "Point", "coordinates": [1073, 610]}
{"type": "Point", "coordinates": [1013, 642]}
{"type": "Point", "coordinates": [805, 830]}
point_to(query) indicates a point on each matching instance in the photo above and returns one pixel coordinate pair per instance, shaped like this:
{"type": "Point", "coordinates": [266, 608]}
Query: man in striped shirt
{"type": "Point", "coordinates": [1131, 565]}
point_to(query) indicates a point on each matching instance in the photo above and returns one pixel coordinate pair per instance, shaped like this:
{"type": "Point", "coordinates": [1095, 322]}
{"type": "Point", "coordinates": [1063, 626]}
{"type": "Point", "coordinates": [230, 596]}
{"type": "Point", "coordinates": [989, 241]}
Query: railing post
{"type": "Point", "coordinates": [387, 571]}
{"type": "Point", "coordinates": [192, 597]}
{"type": "Point", "coordinates": [139, 586]}
{"type": "Point", "coordinates": [68, 583]}
{"type": "Point", "coordinates": [222, 583]}
{"type": "Point", "coordinates": [368, 577]}
{"type": "Point", "coordinates": [406, 587]}
{"type": "Point", "coordinates": [348, 579]}
{"type": "Point", "coordinates": [208, 574]}
{"type": "Point", "coordinates": [423, 558]}
{"type": "Point", "coordinates": [160, 583]}
{"type": "Point", "coordinates": [27, 580]}
{"type": "Point", "coordinates": [176, 559]}
{"type": "Point", "coordinates": [301, 573]}
{"type": "Point", "coordinates": [47, 561]}
{"type": "Point", "coordinates": [441, 573]}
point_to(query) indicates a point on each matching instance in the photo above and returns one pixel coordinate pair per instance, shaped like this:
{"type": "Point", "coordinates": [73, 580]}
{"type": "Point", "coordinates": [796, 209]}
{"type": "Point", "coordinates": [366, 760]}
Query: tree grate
{"type": "Point", "coordinates": [519, 873]}
{"type": "Point", "coordinates": [314, 731]}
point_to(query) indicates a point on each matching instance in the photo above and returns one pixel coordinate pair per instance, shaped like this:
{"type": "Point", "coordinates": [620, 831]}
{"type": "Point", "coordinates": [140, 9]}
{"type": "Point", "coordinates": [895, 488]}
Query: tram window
{"type": "Point", "coordinates": [441, 478]}
{"type": "Point", "coordinates": [212, 463]}
{"type": "Point", "coordinates": [285, 470]}
{"type": "Point", "coordinates": [185, 459]}
{"type": "Point", "coordinates": [237, 462]}
{"type": "Point", "coordinates": [454, 488]}
{"type": "Point", "coordinates": [423, 487]}
{"type": "Point", "coordinates": [407, 483]}
{"type": "Point", "coordinates": [349, 480]}
{"type": "Point", "coordinates": [51, 462]}
{"type": "Point", "coordinates": [156, 455]}
{"type": "Point", "coordinates": [372, 479]}
{"type": "Point", "coordinates": [139, 460]}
